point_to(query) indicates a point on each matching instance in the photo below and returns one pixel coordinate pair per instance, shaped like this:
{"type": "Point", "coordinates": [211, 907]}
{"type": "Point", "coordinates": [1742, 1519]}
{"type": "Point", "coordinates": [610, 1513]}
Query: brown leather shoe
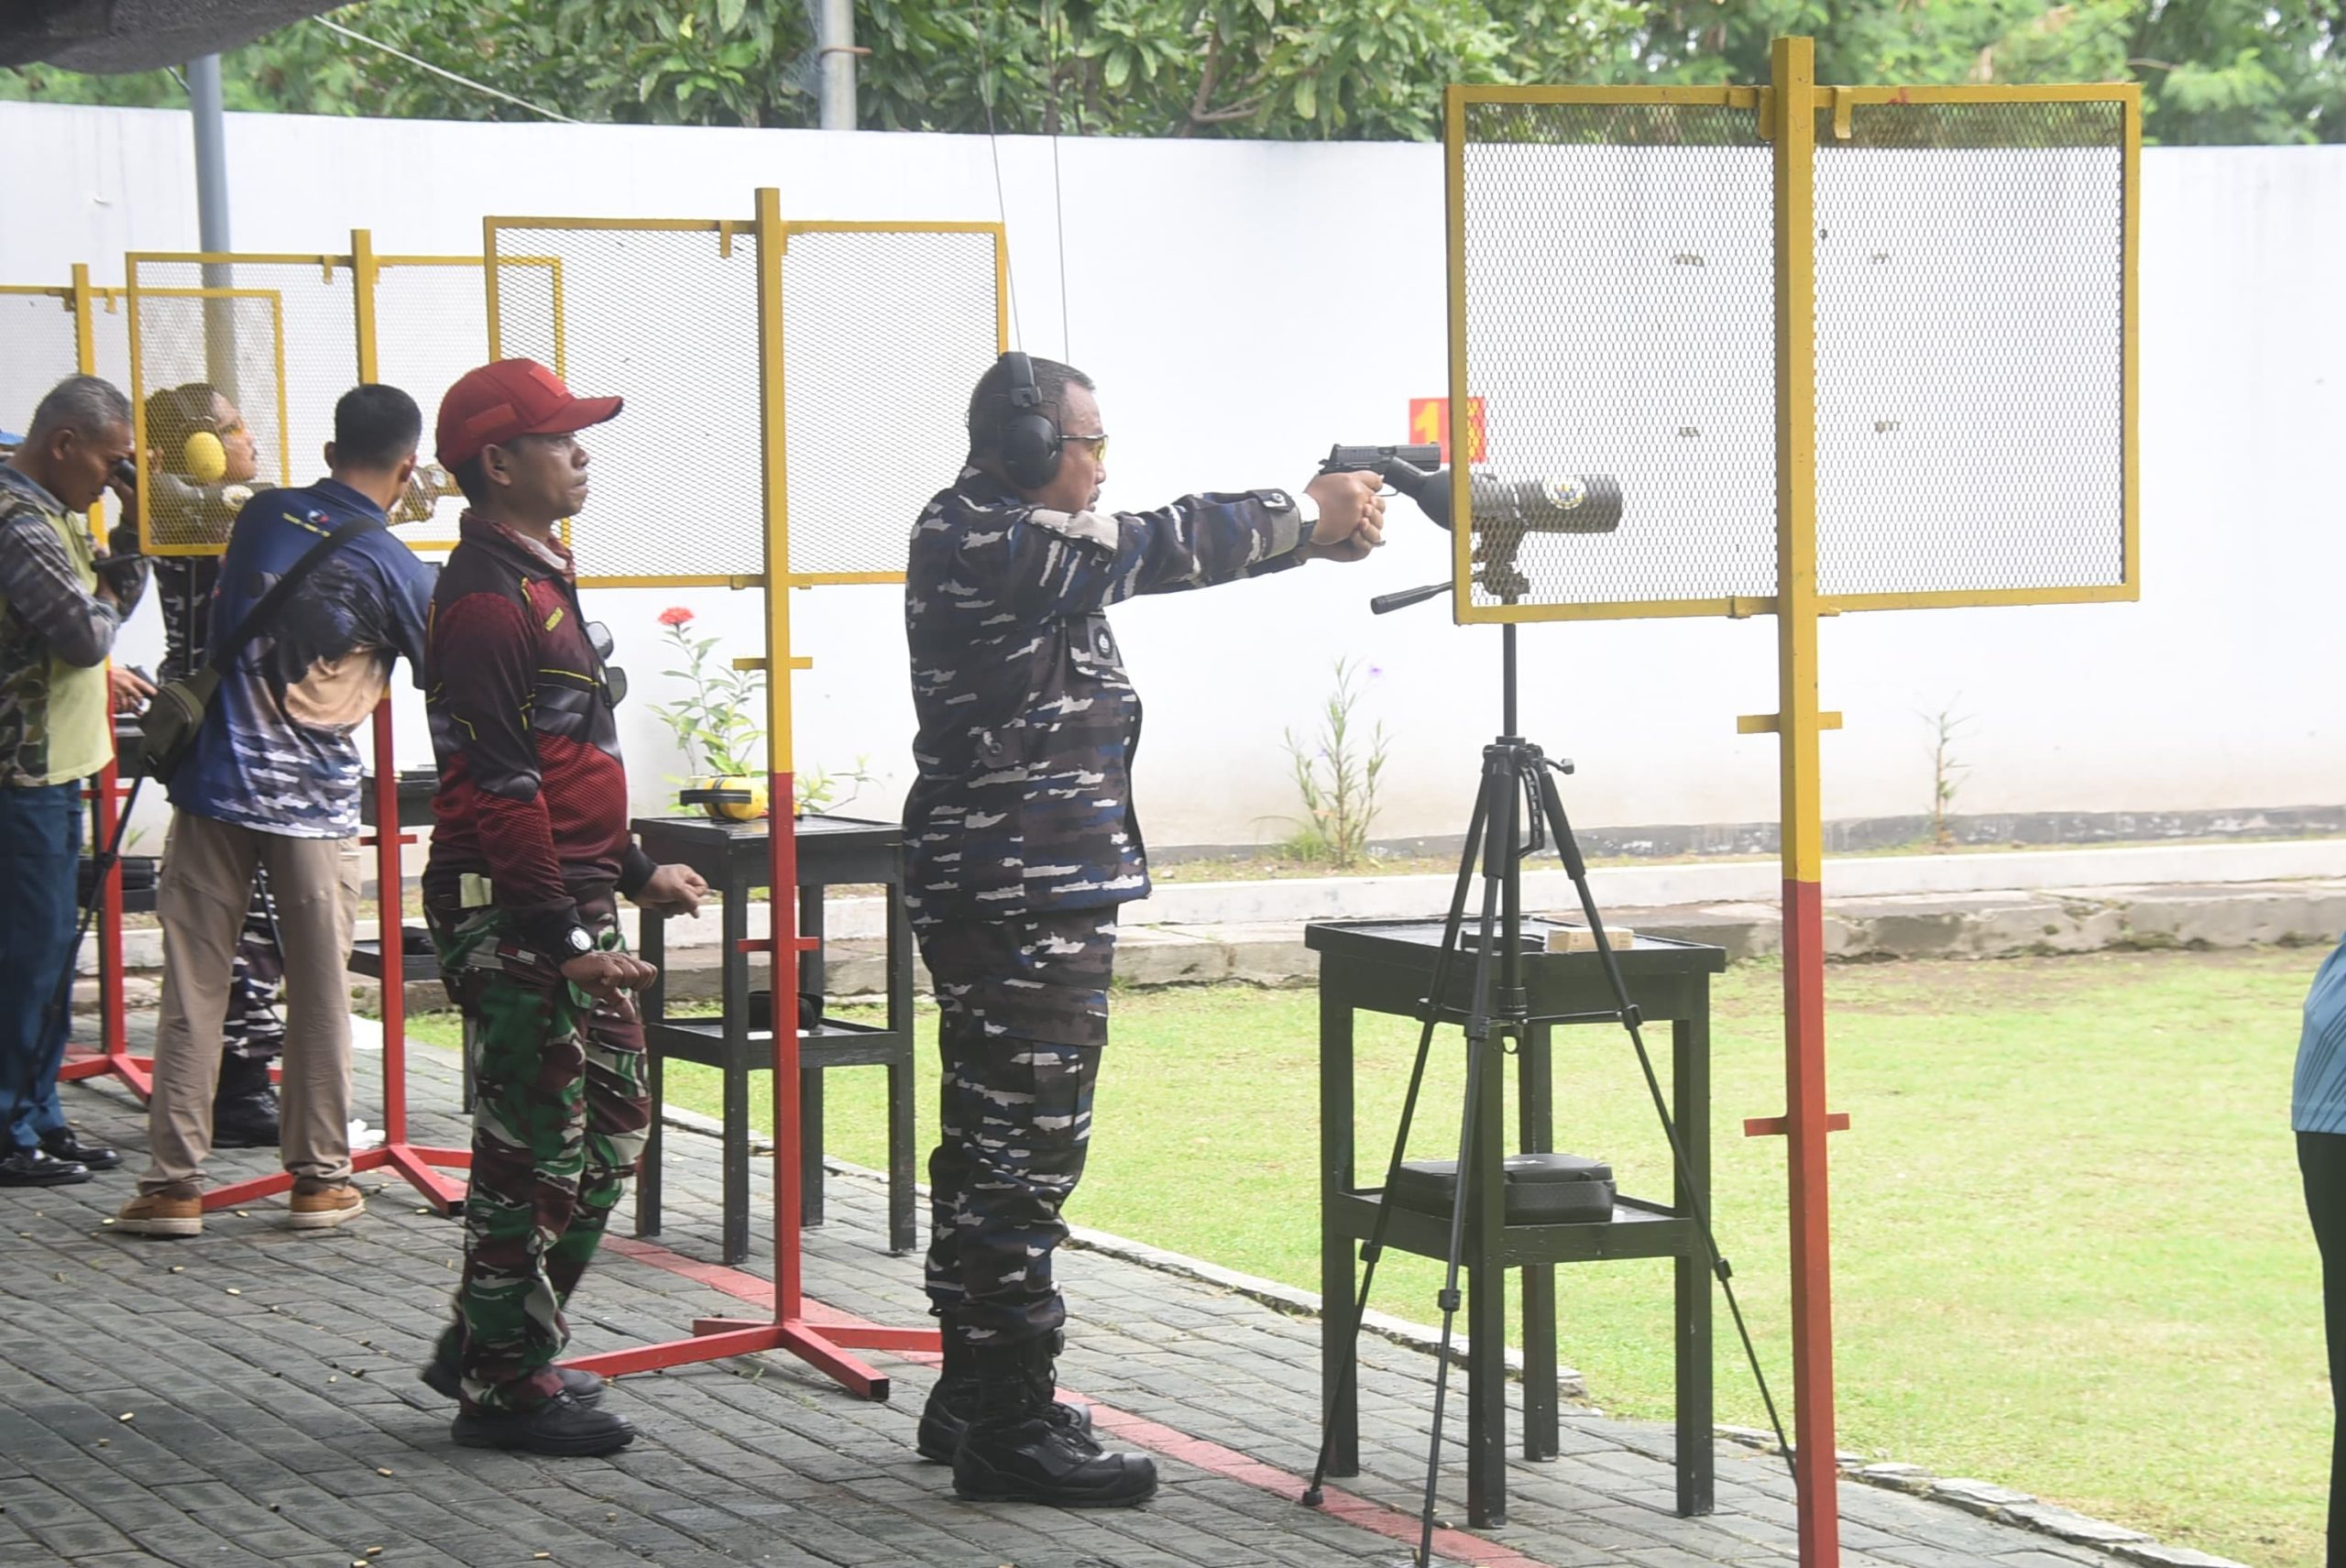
{"type": "Point", "coordinates": [161, 1215]}
{"type": "Point", "coordinates": [325, 1208]}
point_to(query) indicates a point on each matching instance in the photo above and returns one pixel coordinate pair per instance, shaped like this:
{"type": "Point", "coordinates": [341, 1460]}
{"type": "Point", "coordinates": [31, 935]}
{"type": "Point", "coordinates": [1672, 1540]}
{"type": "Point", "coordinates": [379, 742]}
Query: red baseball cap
{"type": "Point", "coordinates": [490, 406]}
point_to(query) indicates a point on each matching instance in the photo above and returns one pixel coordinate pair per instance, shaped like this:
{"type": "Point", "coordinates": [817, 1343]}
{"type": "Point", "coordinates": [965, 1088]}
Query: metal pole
{"type": "Point", "coordinates": [1793, 74]}
{"type": "Point", "coordinates": [204, 107]}
{"type": "Point", "coordinates": [781, 788]}
{"type": "Point", "coordinates": [838, 75]}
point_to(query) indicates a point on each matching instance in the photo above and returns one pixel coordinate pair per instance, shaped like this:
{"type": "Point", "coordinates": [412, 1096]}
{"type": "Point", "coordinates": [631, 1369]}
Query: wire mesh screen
{"type": "Point", "coordinates": [902, 319]}
{"type": "Point", "coordinates": [431, 326]}
{"type": "Point", "coordinates": [1617, 264]}
{"type": "Point", "coordinates": [39, 348]}
{"type": "Point", "coordinates": [36, 351]}
{"type": "Point", "coordinates": [1970, 339]}
{"type": "Point", "coordinates": [666, 318]}
{"type": "Point", "coordinates": [237, 365]}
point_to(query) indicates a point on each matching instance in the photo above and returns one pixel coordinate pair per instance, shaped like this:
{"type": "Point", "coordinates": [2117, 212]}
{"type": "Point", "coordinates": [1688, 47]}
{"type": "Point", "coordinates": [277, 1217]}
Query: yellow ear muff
{"type": "Point", "coordinates": [205, 459]}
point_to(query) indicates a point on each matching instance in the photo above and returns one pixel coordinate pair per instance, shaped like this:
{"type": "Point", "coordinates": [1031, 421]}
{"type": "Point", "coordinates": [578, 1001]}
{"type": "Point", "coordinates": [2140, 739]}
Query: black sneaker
{"type": "Point", "coordinates": [559, 1426]}
{"type": "Point", "coordinates": [31, 1168]}
{"type": "Point", "coordinates": [64, 1146]}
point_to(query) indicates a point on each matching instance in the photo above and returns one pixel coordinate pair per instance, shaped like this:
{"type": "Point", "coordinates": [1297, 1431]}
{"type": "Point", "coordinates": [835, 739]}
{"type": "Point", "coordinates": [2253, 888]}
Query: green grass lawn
{"type": "Point", "coordinates": [2070, 1249]}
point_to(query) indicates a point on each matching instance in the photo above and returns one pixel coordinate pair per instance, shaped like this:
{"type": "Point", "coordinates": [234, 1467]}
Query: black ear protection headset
{"type": "Point", "coordinates": [1030, 440]}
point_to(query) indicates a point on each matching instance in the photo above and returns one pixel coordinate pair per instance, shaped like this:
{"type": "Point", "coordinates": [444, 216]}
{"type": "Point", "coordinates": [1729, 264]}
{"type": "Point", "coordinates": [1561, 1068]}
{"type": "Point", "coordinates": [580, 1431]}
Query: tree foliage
{"type": "Point", "coordinates": [2212, 71]}
{"type": "Point", "coordinates": [2222, 72]}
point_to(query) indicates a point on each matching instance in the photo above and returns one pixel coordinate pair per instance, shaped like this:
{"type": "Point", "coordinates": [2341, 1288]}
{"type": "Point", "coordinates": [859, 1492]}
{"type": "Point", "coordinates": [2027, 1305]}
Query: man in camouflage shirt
{"type": "Point", "coordinates": [60, 606]}
{"type": "Point", "coordinates": [1021, 842]}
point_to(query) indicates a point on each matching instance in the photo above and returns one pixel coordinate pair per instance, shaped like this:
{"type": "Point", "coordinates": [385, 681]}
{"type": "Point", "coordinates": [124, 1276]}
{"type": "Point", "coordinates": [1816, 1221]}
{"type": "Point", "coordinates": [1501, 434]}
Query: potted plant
{"type": "Point", "coordinates": [714, 727]}
{"type": "Point", "coordinates": [720, 739]}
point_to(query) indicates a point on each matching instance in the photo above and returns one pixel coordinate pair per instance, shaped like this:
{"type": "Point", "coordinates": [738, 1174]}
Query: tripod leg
{"type": "Point", "coordinates": [1487, 1381]}
{"type": "Point", "coordinates": [1535, 1073]}
{"type": "Point", "coordinates": [1339, 1418]}
{"type": "Point", "coordinates": [1497, 855]}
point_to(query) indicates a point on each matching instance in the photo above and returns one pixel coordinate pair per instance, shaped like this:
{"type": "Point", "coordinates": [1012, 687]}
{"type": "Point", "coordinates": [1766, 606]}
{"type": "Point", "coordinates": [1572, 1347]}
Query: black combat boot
{"type": "Point", "coordinates": [1015, 1451]}
{"type": "Point", "coordinates": [953, 1398]}
{"type": "Point", "coordinates": [244, 1108]}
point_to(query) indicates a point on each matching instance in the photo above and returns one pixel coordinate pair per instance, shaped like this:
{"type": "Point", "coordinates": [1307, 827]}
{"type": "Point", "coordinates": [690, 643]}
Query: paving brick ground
{"type": "Point", "coordinates": [248, 1397]}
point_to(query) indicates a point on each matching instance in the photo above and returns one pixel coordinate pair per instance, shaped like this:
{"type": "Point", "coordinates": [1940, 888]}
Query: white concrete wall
{"type": "Point", "coordinates": [1244, 304]}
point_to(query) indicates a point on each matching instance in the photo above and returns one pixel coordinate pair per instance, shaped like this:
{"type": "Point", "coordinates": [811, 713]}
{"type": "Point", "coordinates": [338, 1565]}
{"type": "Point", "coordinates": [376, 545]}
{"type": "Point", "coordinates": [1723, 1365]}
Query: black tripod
{"type": "Point", "coordinates": [1518, 812]}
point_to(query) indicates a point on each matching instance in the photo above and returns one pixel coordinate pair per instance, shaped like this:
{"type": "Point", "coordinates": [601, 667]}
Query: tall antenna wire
{"type": "Point", "coordinates": [1000, 205]}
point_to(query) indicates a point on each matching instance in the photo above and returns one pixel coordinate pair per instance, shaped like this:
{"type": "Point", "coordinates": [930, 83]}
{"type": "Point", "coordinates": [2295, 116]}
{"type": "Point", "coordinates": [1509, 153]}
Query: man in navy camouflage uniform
{"type": "Point", "coordinates": [1022, 842]}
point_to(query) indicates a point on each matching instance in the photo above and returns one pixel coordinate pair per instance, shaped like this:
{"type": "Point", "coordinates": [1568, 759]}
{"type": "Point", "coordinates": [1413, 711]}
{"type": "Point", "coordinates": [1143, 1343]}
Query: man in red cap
{"type": "Point", "coordinates": [529, 848]}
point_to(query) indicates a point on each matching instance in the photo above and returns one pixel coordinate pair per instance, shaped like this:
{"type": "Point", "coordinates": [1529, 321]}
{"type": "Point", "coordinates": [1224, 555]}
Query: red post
{"type": "Point", "coordinates": [1817, 1464]}
{"type": "Point", "coordinates": [781, 899]}
{"type": "Point", "coordinates": [113, 1025]}
{"type": "Point", "coordinates": [390, 922]}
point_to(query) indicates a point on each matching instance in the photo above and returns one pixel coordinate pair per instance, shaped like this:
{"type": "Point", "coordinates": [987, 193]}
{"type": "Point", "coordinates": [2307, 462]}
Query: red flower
{"type": "Point", "coordinates": [675, 615]}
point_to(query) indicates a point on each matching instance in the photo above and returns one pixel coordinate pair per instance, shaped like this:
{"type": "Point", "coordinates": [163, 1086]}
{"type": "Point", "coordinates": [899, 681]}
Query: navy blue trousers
{"type": "Point", "coordinates": [40, 840]}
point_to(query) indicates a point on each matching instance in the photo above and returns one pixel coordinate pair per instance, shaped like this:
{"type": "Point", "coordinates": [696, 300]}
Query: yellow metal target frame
{"type": "Point", "coordinates": [363, 268]}
{"type": "Point", "coordinates": [826, 1345]}
{"type": "Point", "coordinates": [1794, 139]}
{"type": "Point", "coordinates": [275, 299]}
{"type": "Point", "coordinates": [421, 1166]}
{"type": "Point", "coordinates": [1787, 113]}
{"type": "Point", "coordinates": [770, 347]}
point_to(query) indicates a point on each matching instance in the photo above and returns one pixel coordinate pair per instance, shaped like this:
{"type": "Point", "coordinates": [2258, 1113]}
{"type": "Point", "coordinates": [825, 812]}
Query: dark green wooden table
{"type": "Point", "coordinates": [1386, 966]}
{"type": "Point", "coordinates": [734, 858]}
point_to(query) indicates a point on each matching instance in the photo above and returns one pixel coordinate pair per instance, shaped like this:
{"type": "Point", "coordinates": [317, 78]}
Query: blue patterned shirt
{"type": "Point", "coordinates": [275, 753]}
{"type": "Point", "coordinates": [2319, 1104]}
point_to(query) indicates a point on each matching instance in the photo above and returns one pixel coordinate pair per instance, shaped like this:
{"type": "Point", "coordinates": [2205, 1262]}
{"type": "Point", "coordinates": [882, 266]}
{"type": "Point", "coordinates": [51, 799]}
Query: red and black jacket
{"type": "Point", "coordinates": [532, 795]}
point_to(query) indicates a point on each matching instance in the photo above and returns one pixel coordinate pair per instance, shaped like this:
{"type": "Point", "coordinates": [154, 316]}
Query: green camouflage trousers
{"type": "Point", "coordinates": [558, 1128]}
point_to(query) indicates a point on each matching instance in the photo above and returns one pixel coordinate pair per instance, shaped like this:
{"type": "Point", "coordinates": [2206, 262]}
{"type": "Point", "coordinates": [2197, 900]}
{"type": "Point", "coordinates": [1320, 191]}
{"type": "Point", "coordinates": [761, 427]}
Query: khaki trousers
{"type": "Point", "coordinates": [200, 899]}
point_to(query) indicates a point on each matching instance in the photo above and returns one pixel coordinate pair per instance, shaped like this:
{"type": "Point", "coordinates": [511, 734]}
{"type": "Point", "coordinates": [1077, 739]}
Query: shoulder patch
{"type": "Point", "coordinates": [1089, 527]}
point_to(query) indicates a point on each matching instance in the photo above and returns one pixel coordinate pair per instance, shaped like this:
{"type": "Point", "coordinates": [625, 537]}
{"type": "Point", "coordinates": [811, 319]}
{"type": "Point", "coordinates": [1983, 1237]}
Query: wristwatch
{"type": "Point", "coordinates": [579, 941]}
{"type": "Point", "coordinates": [1307, 511]}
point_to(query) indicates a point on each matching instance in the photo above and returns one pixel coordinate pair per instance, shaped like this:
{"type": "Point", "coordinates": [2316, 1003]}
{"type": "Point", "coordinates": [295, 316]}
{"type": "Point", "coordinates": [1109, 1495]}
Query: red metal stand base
{"type": "Point", "coordinates": [411, 1160]}
{"type": "Point", "coordinates": [823, 1347]}
{"type": "Point", "coordinates": [138, 1072]}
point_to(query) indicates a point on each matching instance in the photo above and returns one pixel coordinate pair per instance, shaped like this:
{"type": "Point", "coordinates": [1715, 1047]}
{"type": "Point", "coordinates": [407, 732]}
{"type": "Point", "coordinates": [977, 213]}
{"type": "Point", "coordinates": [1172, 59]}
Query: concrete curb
{"type": "Point", "coordinates": [1977, 926]}
{"type": "Point", "coordinates": [2011, 923]}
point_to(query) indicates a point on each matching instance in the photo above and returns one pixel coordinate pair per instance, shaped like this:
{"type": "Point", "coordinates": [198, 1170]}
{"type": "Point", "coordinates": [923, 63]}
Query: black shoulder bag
{"type": "Point", "coordinates": [175, 713]}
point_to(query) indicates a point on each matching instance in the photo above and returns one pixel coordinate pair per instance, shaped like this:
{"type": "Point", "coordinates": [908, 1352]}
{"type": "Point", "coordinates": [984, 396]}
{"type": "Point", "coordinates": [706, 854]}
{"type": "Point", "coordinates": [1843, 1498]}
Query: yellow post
{"type": "Point", "coordinates": [1461, 505]}
{"type": "Point", "coordinates": [1793, 71]}
{"type": "Point", "coordinates": [85, 342]}
{"type": "Point", "coordinates": [138, 402]}
{"type": "Point", "coordinates": [489, 286]}
{"type": "Point", "coordinates": [363, 270]}
{"type": "Point", "coordinates": [85, 362]}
